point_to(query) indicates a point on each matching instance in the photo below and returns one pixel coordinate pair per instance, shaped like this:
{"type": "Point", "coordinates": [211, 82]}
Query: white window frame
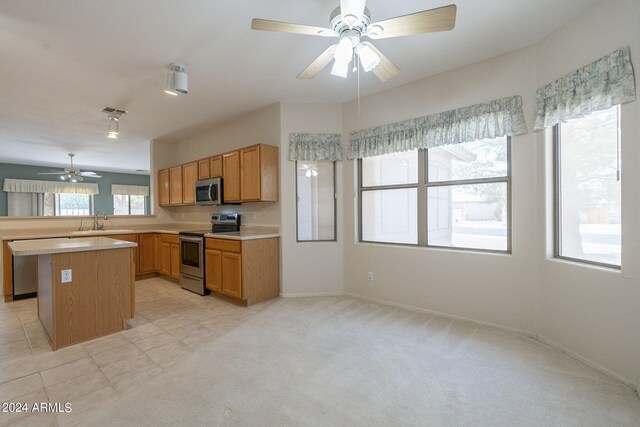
{"type": "Point", "coordinates": [335, 205]}
{"type": "Point", "coordinates": [422, 187]}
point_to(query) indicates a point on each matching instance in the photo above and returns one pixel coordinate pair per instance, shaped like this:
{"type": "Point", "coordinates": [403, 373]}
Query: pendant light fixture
{"type": "Point", "coordinates": [113, 116]}
{"type": "Point", "coordinates": [177, 82]}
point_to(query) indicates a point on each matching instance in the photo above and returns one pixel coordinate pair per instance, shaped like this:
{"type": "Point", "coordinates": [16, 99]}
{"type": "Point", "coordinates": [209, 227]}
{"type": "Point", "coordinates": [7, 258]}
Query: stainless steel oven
{"type": "Point", "coordinates": [192, 261]}
{"type": "Point", "coordinates": [209, 192]}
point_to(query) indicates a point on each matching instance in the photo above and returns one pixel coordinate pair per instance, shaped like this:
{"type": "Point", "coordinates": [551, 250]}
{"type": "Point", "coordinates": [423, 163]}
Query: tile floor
{"type": "Point", "coordinates": [170, 324]}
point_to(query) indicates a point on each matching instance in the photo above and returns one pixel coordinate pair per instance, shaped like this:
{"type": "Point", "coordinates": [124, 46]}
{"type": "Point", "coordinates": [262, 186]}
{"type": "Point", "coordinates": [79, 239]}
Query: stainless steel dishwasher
{"type": "Point", "coordinates": [25, 274]}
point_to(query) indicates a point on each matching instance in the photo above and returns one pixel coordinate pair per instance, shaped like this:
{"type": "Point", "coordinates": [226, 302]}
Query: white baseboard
{"type": "Point", "coordinates": [588, 362]}
{"type": "Point", "coordinates": [445, 315]}
{"type": "Point", "coordinates": [311, 294]}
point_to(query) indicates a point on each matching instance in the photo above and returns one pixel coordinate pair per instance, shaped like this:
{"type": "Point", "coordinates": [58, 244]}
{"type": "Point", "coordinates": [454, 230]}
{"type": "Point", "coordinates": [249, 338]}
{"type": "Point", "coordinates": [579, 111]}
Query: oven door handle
{"type": "Point", "coordinates": [191, 239]}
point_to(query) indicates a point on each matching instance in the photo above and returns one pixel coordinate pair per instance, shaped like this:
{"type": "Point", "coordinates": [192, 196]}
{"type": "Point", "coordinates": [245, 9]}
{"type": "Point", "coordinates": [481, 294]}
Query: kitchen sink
{"type": "Point", "coordinates": [98, 232]}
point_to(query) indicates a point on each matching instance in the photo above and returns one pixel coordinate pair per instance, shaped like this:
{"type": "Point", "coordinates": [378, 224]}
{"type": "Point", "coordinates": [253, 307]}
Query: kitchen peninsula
{"type": "Point", "coordinates": [85, 286]}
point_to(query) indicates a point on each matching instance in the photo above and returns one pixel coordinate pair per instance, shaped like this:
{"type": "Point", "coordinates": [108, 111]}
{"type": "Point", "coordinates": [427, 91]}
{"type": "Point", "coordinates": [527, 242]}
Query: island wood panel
{"type": "Point", "coordinates": [261, 269]}
{"type": "Point", "coordinates": [215, 167]}
{"type": "Point", "coordinates": [204, 169]}
{"type": "Point", "coordinates": [163, 187]}
{"type": "Point", "coordinates": [7, 272]}
{"type": "Point", "coordinates": [98, 300]}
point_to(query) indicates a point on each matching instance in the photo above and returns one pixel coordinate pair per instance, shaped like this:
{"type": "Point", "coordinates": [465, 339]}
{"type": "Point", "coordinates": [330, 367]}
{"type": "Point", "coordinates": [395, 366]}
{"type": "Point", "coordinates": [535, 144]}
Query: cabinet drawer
{"type": "Point", "coordinates": [169, 238]}
{"type": "Point", "coordinates": [224, 245]}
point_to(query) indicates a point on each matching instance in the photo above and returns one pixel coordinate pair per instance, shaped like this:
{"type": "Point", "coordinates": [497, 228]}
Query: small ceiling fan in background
{"type": "Point", "coordinates": [351, 22]}
{"type": "Point", "coordinates": [72, 174]}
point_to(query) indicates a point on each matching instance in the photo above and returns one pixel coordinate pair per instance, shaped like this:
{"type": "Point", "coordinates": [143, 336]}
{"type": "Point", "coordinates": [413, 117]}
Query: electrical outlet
{"type": "Point", "coordinates": [370, 276]}
{"type": "Point", "coordinates": [66, 276]}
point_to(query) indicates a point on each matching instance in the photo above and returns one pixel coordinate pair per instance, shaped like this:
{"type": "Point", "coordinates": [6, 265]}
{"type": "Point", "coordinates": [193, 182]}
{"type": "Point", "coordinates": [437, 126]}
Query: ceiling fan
{"type": "Point", "coordinates": [72, 174]}
{"type": "Point", "coordinates": [351, 22]}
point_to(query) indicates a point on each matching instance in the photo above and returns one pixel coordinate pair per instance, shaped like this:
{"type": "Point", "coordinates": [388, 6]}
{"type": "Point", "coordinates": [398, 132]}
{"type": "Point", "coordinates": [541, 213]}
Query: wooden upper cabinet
{"type": "Point", "coordinates": [163, 187]}
{"type": "Point", "coordinates": [204, 169]}
{"type": "Point", "coordinates": [215, 166]}
{"type": "Point", "coordinates": [189, 178]}
{"type": "Point", "coordinates": [231, 177]}
{"type": "Point", "coordinates": [175, 185]}
{"type": "Point", "coordinates": [259, 173]}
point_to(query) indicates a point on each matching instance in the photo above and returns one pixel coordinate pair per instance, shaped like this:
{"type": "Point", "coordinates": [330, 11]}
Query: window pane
{"type": "Point", "coordinates": [484, 158]}
{"type": "Point", "coordinates": [120, 205]}
{"type": "Point", "coordinates": [470, 216]}
{"type": "Point", "coordinates": [590, 199]}
{"type": "Point", "coordinates": [73, 204]}
{"type": "Point", "coordinates": [138, 205]}
{"type": "Point", "coordinates": [390, 169]}
{"type": "Point", "coordinates": [390, 216]}
{"type": "Point", "coordinates": [316, 201]}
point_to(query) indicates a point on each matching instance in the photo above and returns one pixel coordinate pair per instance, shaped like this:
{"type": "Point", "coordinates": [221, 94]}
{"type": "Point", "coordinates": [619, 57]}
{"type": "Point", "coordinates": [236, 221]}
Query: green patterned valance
{"type": "Point", "coordinates": [602, 84]}
{"type": "Point", "coordinates": [493, 119]}
{"type": "Point", "coordinates": [315, 146]}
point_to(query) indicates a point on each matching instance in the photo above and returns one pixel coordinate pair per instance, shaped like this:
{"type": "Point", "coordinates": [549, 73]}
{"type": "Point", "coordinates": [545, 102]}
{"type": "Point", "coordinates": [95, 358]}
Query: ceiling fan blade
{"type": "Point", "coordinates": [318, 64]}
{"type": "Point", "coordinates": [90, 174]}
{"type": "Point", "coordinates": [52, 173]}
{"type": "Point", "coordinates": [385, 70]}
{"type": "Point", "coordinates": [285, 27]}
{"type": "Point", "coordinates": [352, 8]}
{"type": "Point", "coordinates": [427, 21]}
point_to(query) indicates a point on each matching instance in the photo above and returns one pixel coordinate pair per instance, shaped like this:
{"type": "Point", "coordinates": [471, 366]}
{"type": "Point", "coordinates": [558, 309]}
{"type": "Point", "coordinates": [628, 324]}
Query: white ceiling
{"type": "Point", "coordinates": [62, 61]}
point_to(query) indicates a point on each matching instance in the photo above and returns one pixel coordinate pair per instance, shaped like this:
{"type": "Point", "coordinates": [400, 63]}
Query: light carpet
{"type": "Point", "coordinates": [340, 361]}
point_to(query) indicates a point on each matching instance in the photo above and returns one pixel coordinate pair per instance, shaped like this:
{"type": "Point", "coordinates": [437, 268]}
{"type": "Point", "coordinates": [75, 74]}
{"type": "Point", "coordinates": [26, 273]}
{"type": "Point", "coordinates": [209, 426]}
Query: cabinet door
{"type": "Point", "coordinates": [204, 169]}
{"type": "Point", "coordinates": [213, 263]}
{"type": "Point", "coordinates": [175, 260]}
{"type": "Point", "coordinates": [175, 185]}
{"type": "Point", "coordinates": [147, 253]}
{"type": "Point", "coordinates": [163, 187]}
{"type": "Point", "coordinates": [231, 176]}
{"type": "Point", "coordinates": [189, 178]}
{"type": "Point", "coordinates": [231, 275]}
{"type": "Point", "coordinates": [165, 259]}
{"type": "Point", "coordinates": [250, 173]}
{"type": "Point", "coordinates": [215, 166]}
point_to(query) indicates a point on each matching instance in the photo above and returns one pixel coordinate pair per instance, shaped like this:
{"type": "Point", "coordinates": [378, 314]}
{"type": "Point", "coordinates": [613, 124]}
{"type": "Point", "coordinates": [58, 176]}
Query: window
{"type": "Point", "coordinates": [462, 200]}
{"type": "Point", "coordinates": [63, 204]}
{"type": "Point", "coordinates": [316, 204]}
{"type": "Point", "coordinates": [129, 205]}
{"type": "Point", "coordinates": [588, 189]}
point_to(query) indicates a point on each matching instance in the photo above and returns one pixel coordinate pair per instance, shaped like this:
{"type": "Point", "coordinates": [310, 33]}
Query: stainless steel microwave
{"type": "Point", "coordinates": [209, 192]}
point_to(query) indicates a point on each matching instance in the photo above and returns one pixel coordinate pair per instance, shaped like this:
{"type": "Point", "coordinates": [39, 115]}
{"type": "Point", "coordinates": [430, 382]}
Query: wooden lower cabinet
{"type": "Point", "coordinates": [247, 271]}
{"type": "Point", "coordinates": [175, 260]}
{"type": "Point", "coordinates": [169, 256]}
{"type": "Point", "coordinates": [165, 259]}
{"type": "Point", "coordinates": [136, 251]}
{"type": "Point", "coordinates": [147, 248]}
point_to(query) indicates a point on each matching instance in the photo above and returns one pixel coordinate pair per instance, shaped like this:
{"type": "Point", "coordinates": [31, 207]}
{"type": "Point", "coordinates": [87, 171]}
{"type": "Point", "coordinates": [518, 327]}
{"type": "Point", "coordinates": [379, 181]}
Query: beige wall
{"type": "Point", "coordinates": [591, 312]}
{"type": "Point", "coordinates": [308, 268]}
{"type": "Point", "coordinates": [258, 127]}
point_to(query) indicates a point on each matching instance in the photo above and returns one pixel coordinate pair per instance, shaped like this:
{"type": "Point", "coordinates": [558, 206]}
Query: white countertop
{"type": "Point", "coordinates": [247, 233]}
{"type": "Point", "coordinates": [57, 246]}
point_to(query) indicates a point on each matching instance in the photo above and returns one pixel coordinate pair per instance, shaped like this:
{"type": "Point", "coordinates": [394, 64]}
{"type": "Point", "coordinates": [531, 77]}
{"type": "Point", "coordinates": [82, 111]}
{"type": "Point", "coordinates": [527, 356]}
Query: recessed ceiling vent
{"type": "Point", "coordinates": [111, 110]}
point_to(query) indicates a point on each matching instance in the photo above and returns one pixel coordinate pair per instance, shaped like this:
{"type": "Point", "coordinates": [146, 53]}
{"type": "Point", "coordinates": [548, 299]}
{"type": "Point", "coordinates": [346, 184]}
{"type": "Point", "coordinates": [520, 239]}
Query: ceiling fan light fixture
{"type": "Point", "coordinates": [177, 82]}
{"type": "Point", "coordinates": [114, 127]}
{"type": "Point", "coordinates": [342, 57]}
{"type": "Point", "coordinates": [368, 58]}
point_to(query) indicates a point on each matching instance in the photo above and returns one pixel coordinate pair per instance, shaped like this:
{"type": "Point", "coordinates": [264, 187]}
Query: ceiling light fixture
{"type": "Point", "coordinates": [368, 58]}
{"type": "Point", "coordinates": [177, 80]}
{"type": "Point", "coordinates": [114, 127]}
{"type": "Point", "coordinates": [113, 115]}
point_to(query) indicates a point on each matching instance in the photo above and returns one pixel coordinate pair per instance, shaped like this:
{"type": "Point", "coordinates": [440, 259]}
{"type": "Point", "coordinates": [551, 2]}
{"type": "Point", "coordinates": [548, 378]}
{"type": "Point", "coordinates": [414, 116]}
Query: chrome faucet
{"type": "Point", "coordinates": [96, 224]}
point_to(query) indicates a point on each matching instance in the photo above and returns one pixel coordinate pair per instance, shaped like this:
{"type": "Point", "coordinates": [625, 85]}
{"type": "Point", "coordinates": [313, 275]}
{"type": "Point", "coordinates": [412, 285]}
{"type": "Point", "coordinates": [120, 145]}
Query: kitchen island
{"type": "Point", "coordinates": [85, 286]}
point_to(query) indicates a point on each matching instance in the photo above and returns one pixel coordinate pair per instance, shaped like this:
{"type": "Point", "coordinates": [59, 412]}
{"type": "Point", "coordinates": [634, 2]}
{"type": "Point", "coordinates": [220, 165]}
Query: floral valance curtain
{"type": "Point", "coordinates": [602, 84]}
{"type": "Point", "coordinates": [315, 146]}
{"type": "Point", "coordinates": [33, 186]}
{"type": "Point", "coordinates": [493, 119]}
{"type": "Point", "coordinates": [129, 190]}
